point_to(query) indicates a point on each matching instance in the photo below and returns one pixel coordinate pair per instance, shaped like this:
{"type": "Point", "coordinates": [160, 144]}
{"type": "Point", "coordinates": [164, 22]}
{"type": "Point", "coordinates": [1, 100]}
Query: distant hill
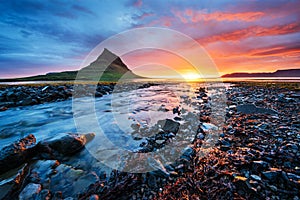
{"type": "Point", "coordinates": [114, 71]}
{"type": "Point", "coordinates": [278, 73]}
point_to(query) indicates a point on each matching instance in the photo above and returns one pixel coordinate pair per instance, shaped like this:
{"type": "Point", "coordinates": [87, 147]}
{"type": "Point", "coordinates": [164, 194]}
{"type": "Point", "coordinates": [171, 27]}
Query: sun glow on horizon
{"type": "Point", "coordinates": [191, 76]}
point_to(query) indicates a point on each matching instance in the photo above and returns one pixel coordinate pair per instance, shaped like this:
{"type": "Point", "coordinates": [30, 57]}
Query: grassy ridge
{"type": "Point", "coordinates": [67, 76]}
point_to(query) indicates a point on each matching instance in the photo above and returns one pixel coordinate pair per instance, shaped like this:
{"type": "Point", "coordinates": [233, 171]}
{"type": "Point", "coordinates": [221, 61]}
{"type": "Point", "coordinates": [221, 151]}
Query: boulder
{"type": "Point", "coordinates": [17, 153]}
{"type": "Point", "coordinates": [252, 109]}
{"type": "Point", "coordinates": [169, 125]}
{"type": "Point", "coordinates": [66, 145]}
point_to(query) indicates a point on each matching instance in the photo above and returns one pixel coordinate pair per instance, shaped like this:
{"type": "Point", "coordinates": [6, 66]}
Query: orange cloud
{"type": "Point", "coordinates": [194, 16]}
{"type": "Point", "coordinates": [279, 51]}
{"type": "Point", "coordinates": [157, 62]}
{"type": "Point", "coordinates": [253, 31]}
{"type": "Point", "coordinates": [234, 59]}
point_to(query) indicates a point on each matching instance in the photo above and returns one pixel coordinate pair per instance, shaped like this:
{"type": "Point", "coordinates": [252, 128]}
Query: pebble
{"type": "Point", "coordinates": [255, 177]}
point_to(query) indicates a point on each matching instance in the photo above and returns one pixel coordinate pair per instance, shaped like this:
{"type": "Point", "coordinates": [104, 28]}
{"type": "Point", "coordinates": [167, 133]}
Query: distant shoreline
{"type": "Point", "coordinates": [224, 80]}
{"type": "Point", "coordinates": [279, 73]}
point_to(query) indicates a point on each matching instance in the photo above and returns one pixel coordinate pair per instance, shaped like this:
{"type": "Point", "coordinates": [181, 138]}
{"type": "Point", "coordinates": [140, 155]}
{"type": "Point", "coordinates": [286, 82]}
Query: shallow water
{"type": "Point", "coordinates": [115, 114]}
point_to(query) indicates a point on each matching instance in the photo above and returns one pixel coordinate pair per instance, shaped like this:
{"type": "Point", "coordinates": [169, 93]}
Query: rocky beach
{"type": "Point", "coordinates": [248, 150]}
{"type": "Point", "coordinates": [150, 100]}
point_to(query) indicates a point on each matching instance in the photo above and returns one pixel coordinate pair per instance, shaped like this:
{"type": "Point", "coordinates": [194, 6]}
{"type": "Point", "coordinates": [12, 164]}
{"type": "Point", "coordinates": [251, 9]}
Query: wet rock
{"type": "Point", "coordinates": [272, 175]}
{"type": "Point", "coordinates": [98, 94]}
{"type": "Point", "coordinates": [66, 145]}
{"type": "Point", "coordinates": [43, 195]}
{"type": "Point", "coordinates": [16, 154]}
{"type": "Point", "coordinates": [84, 182]}
{"type": "Point", "coordinates": [259, 165]}
{"type": "Point", "coordinates": [28, 101]}
{"type": "Point", "coordinates": [135, 127]}
{"type": "Point", "coordinates": [273, 188]}
{"type": "Point", "coordinates": [64, 179]}
{"type": "Point", "coordinates": [177, 118]}
{"type": "Point", "coordinates": [169, 125]}
{"type": "Point", "coordinates": [170, 135]}
{"type": "Point", "coordinates": [291, 146]}
{"type": "Point", "coordinates": [107, 88]}
{"type": "Point", "coordinates": [151, 181]}
{"type": "Point", "coordinates": [3, 108]}
{"type": "Point", "coordinates": [188, 152]}
{"type": "Point", "coordinates": [12, 181]}
{"type": "Point", "coordinates": [157, 167]}
{"type": "Point", "coordinates": [42, 170]}
{"type": "Point", "coordinates": [94, 197]}
{"type": "Point", "coordinates": [176, 110]}
{"type": "Point", "coordinates": [30, 191]}
{"type": "Point", "coordinates": [252, 109]}
{"type": "Point", "coordinates": [232, 107]}
{"type": "Point", "coordinates": [224, 148]}
{"type": "Point", "coordinates": [14, 96]}
{"type": "Point", "coordinates": [255, 177]}
{"type": "Point", "coordinates": [11, 96]}
{"type": "Point", "coordinates": [201, 136]}
{"type": "Point", "coordinates": [159, 141]}
{"type": "Point", "coordinates": [208, 127]}
{"type": "Point", "coordinates": [293, 176]}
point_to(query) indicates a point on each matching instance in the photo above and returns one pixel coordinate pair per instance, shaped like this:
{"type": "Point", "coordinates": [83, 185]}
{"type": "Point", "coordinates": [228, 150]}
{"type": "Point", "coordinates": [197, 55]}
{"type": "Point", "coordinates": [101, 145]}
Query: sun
{"type": "Point", "coordinates": [191, 76]}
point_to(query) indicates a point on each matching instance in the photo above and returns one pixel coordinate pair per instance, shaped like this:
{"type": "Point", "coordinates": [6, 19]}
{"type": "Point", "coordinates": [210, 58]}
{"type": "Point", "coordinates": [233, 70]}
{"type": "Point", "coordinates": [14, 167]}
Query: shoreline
{"type": "Point", "coordinates": [34, 94]}
{"type": "Point", "coordinates": [256, 156]}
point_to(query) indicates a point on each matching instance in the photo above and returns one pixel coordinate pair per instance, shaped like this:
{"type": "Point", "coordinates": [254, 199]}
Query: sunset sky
{"type": "Point", "coordinates": [39, 36]}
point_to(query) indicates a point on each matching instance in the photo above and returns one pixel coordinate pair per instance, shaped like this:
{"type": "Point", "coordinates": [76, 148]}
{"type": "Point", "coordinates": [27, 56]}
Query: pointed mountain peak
{"type": "Point", "coordinates": [106, 51]}
{"type": "Point", "coordinates": [107, 55]}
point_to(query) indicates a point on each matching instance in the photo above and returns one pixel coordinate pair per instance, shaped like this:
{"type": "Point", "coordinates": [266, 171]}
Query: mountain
{"type": "Point", "coordinates": [278, 73]}
{"type": "Point", "coordinates": [113, 72]}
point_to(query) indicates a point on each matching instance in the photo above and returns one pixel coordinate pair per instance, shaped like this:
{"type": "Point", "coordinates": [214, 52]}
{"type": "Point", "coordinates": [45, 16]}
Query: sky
{"type": "Point", "coordinates": [40, 36]}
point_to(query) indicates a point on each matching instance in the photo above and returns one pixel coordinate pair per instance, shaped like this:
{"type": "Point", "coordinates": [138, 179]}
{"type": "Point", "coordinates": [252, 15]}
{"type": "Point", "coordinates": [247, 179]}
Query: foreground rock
{"type": "Point", "coordinates": [63, 145]}
{"type": "Point", "coordinates": [22, 151]}
{"type": "Point", "coordinates": [12, 181]}
{"type": "Point", "coordinates": [30, 191]}
{"type": "Point", "coordinates": [45, 178]}
{"type": "Point", "coordinates": [16, 154]}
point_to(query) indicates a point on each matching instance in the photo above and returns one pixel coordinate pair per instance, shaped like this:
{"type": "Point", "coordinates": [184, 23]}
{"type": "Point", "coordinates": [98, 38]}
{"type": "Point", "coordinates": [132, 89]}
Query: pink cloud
{"type": "Point", "coordinates": [163, 21]}
{"type": "Point", "coordinates": [138, 3]}
{"type": "Point", "coordinates": [144, 15]}
{"type": "Point", "coordinates": [252, 31]}
{"type": "Point", "coordinates": [194, 16]}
